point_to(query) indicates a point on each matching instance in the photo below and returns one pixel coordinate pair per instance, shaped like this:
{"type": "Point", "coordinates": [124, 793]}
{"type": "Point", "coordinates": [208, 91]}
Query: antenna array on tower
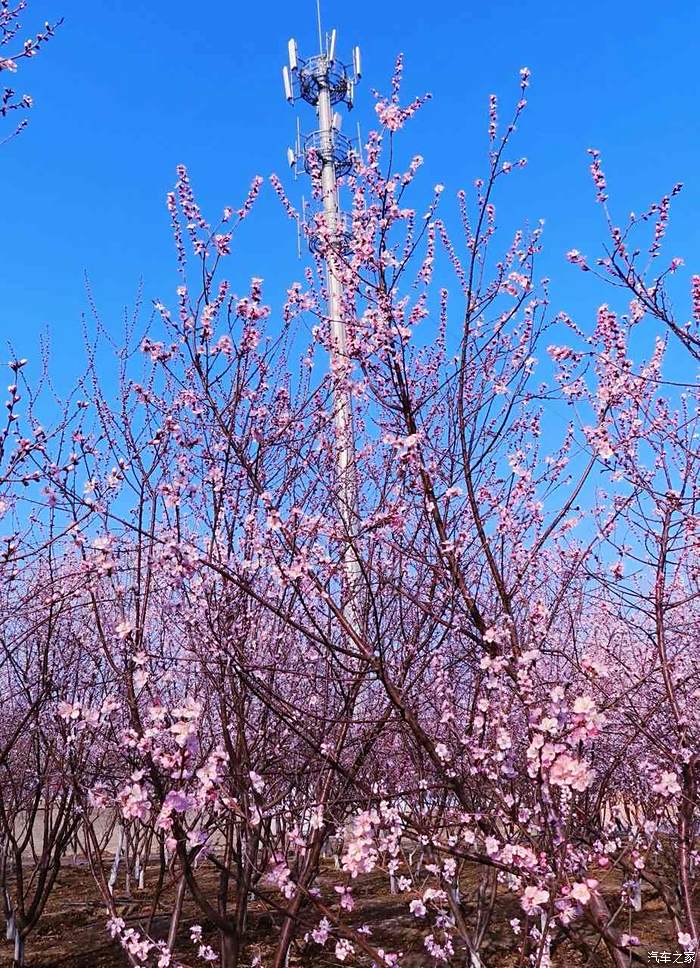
{"type": "Point", "coordinates": [322, 80]}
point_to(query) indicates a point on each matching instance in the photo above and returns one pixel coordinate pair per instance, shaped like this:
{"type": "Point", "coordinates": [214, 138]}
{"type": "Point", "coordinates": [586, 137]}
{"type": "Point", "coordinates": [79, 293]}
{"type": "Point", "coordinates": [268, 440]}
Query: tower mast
{"type": "Point", "coordinates": [323, 81]}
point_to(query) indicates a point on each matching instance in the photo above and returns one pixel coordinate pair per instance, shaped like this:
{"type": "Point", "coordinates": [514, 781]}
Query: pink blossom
{"type": "Point", "coordinates": [322, 933]}
{"type": "Point", "coordinates": [124, 629]}
{"type": "Point", "coordinates": [280, 876]}
{"type": "Point", "coordinates": [441, 952]}
{"type": "Point", "coordinates": [584, 705]}
{"type": "Point", "coordinates": [344, 949]}
{"type": "Point", "coordinates": [667, 785]}
{"type": "Point", "coordinates": [134, 802]}
{"type": "Point", "coordinates": [568, 771]}
{"type": "Point", "coordinates": [178, 801]}
{"type": "Point", "coordinates": [68, 711]}
{"type": "Point", "coordinates": [442, 752]}
{"type": "Point", "coordinates": [207, 953]}
{"type": "Point", "coordinates": [629, 940]}
{"type": "Point", "coordinates": [115, 926]}
{"type": "Point", "coordinates": [190, 709]}
{"type": "Point", "coordinates": [183, 731]}
{"type": "Point", "coordinates": [257, 781]}
{"type": "Point", "coordinates": [533, 898]}
{"type": "Point", "coordinates": [580, 892]}
{"type": "Point", "coordinates": [695, 296]}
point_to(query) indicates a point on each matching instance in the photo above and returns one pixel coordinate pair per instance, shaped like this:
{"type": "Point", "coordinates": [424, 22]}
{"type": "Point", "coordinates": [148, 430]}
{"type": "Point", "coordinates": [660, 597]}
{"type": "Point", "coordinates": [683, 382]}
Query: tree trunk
{"type": "Point", "coordinates": [177, 913]}
{"type": "Point", "coordinates": [600, 915]}
{"type": "Point", "coordinates": [11, 926]}
{"type": "Point", "coordinates": [18, 958]}
{"type": "Point", "coordinates": [230, 949]}
{"type": "Point", "coordinates": [281, 959]}
{"type": "Point", "coordinates": [114, 873]}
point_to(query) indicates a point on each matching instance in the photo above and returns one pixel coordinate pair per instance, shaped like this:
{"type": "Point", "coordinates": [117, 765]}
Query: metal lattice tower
{"type": "Point", "coordinates": [324, 82]}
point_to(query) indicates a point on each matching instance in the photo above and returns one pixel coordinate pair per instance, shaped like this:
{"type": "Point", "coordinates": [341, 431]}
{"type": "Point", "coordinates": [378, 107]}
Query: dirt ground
{"type": "Point", "coordinates": [72, 932]}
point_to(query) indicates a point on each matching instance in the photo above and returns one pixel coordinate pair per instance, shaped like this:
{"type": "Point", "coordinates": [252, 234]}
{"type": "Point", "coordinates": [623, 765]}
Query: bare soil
{"type": "Point", "coordinates": [73, 934]}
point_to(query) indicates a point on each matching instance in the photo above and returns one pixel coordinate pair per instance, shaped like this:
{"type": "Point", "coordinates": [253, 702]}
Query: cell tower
{"type": "Point", "coordinates": [324, 82]}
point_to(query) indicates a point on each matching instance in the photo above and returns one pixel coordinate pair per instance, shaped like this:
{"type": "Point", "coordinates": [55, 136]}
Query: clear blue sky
{"type": "Point", "coordinates": [131, 88]}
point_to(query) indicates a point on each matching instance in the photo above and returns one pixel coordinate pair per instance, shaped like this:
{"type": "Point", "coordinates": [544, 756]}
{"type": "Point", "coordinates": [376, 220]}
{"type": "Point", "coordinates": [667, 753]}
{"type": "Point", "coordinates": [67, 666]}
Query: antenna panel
{"type": "Point", "coordinates": [331, 46]}
{"type": "Point", "coordinates": [293, 56]}
{"type": "Point", "coordinates": [357, 63]}
{"type": "Point", "coordinates": [288, 90]}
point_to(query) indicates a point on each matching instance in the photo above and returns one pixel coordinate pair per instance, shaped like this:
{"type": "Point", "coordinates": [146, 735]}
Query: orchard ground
{"type": "Point", "coordinates": [72, 932]}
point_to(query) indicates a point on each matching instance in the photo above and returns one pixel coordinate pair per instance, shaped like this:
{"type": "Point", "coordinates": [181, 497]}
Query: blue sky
{"type": "Point", "coordinates": [130, 89]}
